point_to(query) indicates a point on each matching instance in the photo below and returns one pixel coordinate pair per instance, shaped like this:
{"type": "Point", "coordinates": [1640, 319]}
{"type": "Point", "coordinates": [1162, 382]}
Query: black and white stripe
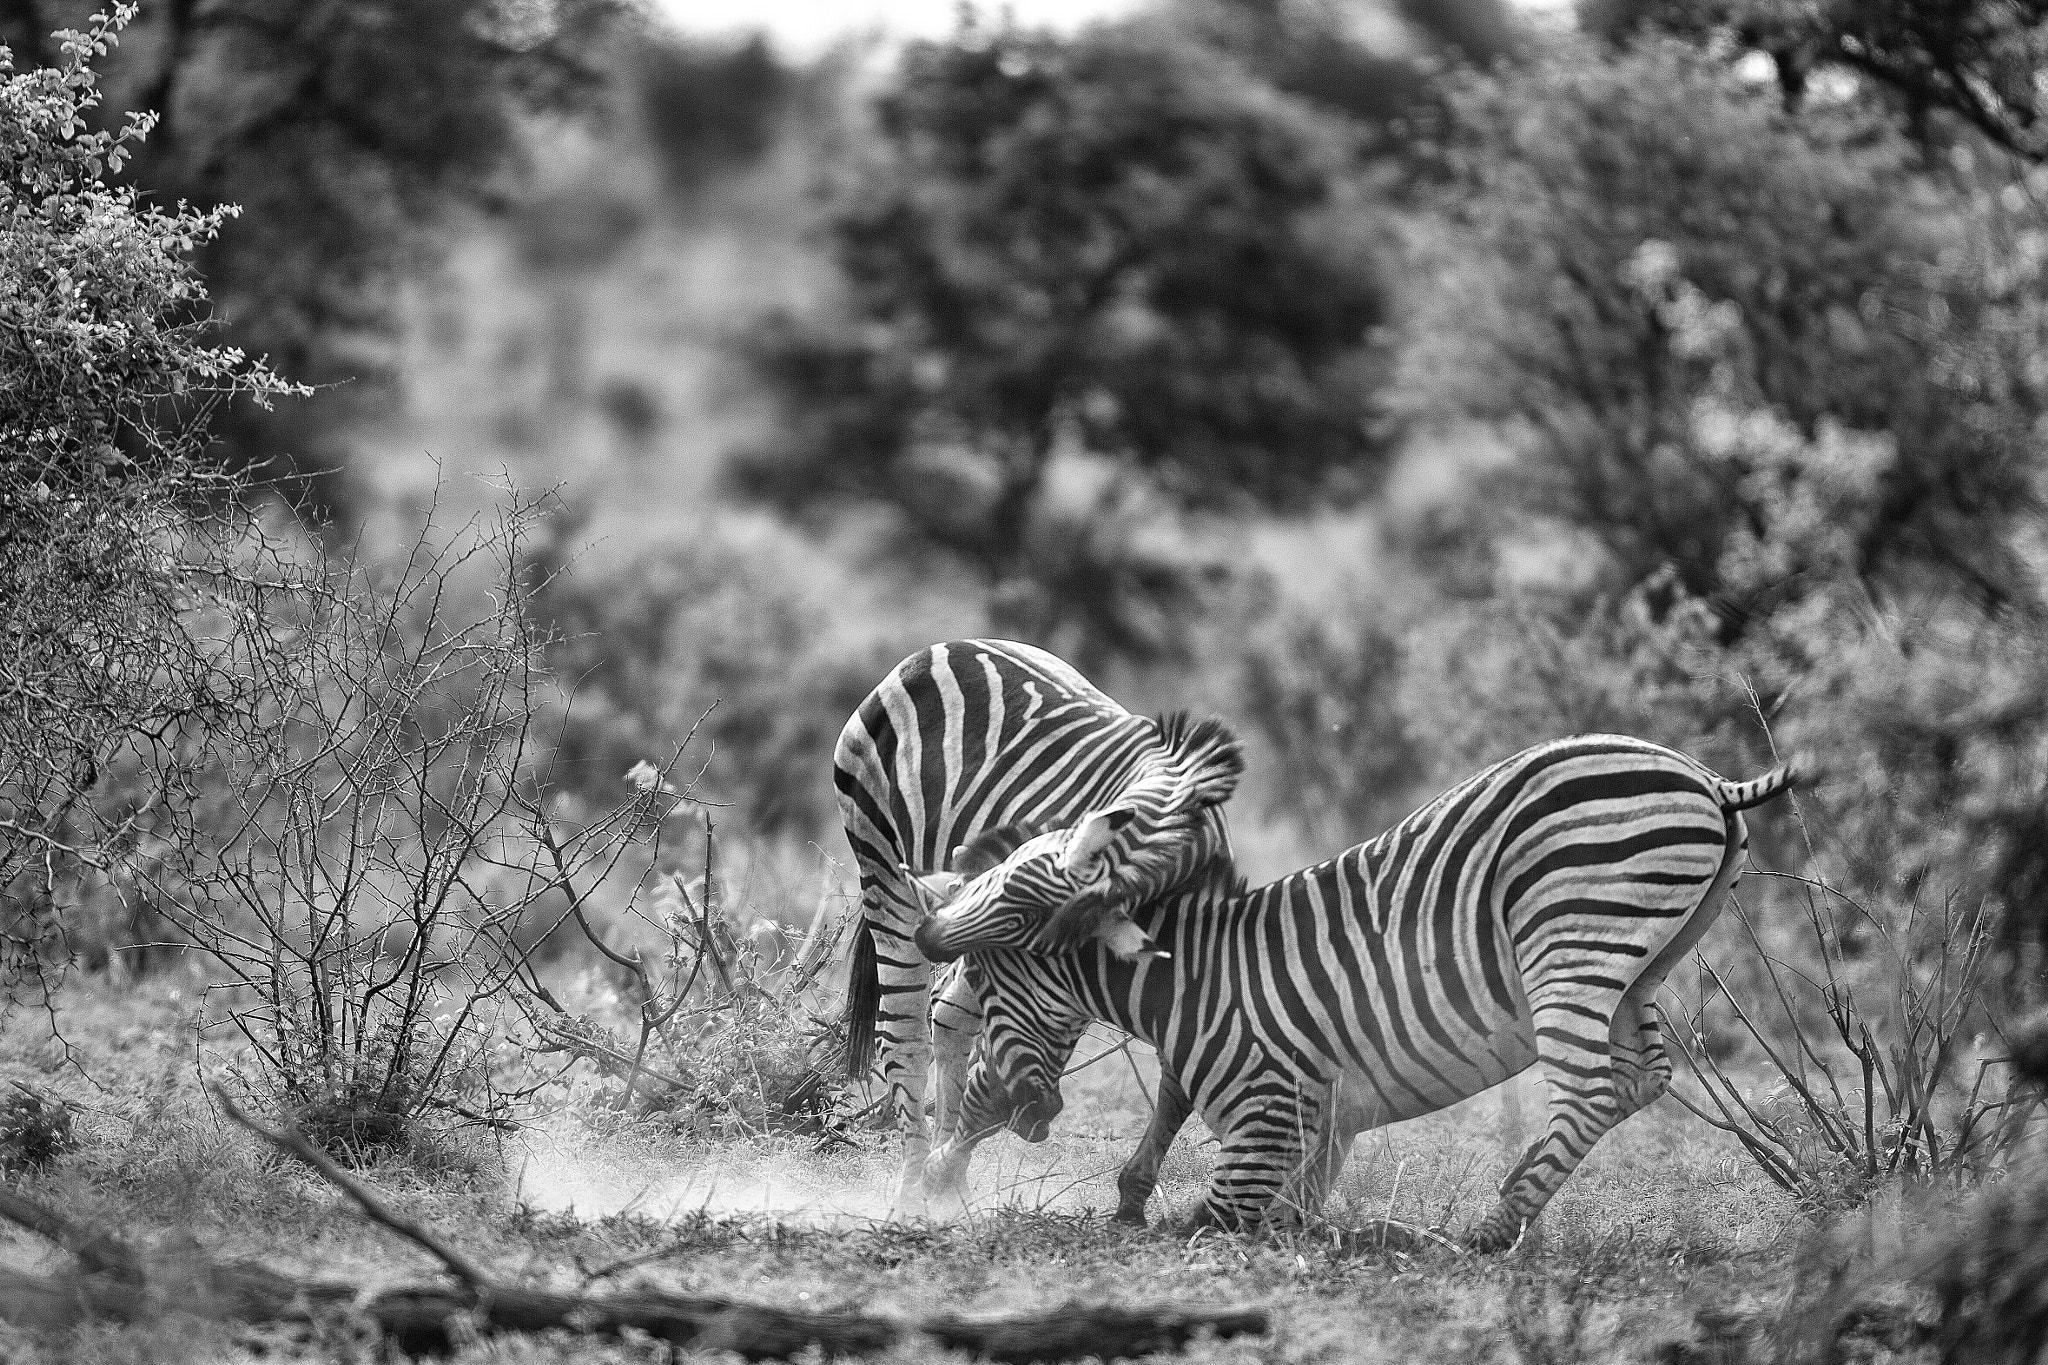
{"type": "Point", "coordinates": [960, 750]}
{"type": "Point", "coordinates": [1526, 916]}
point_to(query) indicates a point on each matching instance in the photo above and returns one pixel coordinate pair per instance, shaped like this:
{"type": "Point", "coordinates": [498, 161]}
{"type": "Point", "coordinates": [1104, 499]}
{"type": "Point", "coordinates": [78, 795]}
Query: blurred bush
{"type": "Point", "coordinates": [1642, 233]}
{"type": "Point", "coordinates": [1780, 408]}
{"type": "Point", "coordinates": [1377, 61]}
{"type": "Point", "coordinates": [1324, 691]}
{"type": "Point", "coordinates": [714, 639]}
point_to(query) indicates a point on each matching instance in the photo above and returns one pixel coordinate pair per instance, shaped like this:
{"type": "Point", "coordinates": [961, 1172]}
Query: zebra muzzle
{"type": "Point", "coordinates": [929, 938]}
{"type": "Point", "coordinates": [1032, 1113]}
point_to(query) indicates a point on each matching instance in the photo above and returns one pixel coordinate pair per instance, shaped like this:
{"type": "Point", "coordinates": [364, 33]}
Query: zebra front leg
{"type": "Point", "coordinates": [1265, 1128]}
{"type": "Point", "coordinates": [1140, 1175]}
{"type": "Point", "coordinates": [1326, 1150]}
{"type": "Point", "coordinates": [955, 1024]}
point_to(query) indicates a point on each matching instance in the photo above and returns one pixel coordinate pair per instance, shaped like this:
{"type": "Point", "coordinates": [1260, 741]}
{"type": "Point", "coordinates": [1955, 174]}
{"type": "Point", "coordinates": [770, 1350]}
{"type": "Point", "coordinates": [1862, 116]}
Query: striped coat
{"type": "Point", "coordinates": [962, 750]}
{"type": "Point", "coordinates": [1527, 916]}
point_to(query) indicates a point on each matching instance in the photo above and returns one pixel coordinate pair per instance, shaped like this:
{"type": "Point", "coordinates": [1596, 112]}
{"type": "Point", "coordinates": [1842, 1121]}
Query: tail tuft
{"type": "Point", "coordinates": [863, 1000]}
{"type": "Point", "coordinates": [1742, 795]}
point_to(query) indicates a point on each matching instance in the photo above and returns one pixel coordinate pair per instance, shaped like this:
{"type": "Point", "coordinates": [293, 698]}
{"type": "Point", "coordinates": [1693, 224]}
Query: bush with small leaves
{"type": "Point", "coordinates": [114, 535]}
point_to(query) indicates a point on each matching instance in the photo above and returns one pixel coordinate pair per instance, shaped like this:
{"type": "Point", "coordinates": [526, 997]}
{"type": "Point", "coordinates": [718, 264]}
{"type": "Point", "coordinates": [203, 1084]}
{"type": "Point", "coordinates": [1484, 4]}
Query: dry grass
{"type": "Point", "coordinates": [1664, 1219]}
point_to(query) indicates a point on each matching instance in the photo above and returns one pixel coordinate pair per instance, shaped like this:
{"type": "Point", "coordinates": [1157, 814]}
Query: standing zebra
{"type": "Point", "coordinates": [1527, 915]}
{"type": "Point", "coordinates": [968, 747]}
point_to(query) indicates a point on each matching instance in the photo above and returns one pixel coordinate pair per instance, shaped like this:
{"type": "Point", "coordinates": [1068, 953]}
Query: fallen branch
{"type": "Point", "coordinates": [121, 1284]}
{"type": "Point", "coordinates": [293, 1143]}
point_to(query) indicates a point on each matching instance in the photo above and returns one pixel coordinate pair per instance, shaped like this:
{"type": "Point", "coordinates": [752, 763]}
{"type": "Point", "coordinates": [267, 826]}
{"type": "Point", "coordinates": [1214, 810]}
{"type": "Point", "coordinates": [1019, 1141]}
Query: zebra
{"type": "Point", "coordinates": [1527, 915]}
{"type": "Point", "coordinates": [971, 746]}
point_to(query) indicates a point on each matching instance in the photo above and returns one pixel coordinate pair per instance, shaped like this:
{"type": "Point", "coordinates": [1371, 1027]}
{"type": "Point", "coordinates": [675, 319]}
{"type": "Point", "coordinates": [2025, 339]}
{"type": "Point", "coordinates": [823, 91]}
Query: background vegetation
{"type": "Point", "coordinates": [440, 755]}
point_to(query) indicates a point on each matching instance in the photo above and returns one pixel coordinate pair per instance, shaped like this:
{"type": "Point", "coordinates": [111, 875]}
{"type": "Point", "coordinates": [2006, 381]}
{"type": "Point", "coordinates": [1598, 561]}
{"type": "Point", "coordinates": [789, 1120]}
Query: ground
{"type": "Point", "coordinates": [1665, 1218]}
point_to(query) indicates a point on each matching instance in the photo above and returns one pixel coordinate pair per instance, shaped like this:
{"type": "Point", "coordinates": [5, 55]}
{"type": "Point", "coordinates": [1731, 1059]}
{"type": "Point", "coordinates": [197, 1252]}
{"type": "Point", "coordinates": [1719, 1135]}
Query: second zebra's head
{"type": "Point", "coordinates": [1065, 886]}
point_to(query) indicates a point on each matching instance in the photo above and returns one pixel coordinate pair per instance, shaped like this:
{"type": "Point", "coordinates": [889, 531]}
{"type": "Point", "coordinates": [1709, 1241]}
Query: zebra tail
{"type": "Point", "coordinates": [863, 1001]}
{"type": "Point", "coordinates": [1736, 796]}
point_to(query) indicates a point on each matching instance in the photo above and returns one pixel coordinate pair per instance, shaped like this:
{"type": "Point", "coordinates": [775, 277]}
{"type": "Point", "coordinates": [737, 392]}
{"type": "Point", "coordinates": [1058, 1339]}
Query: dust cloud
{"type": "Point", "coordinates": [568, 1170]}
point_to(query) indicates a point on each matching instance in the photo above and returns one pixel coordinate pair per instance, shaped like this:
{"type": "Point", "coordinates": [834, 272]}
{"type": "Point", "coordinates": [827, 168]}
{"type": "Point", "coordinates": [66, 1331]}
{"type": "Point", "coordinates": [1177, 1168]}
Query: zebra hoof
{"type": "Point", "coordinates": [1131, 1215]}
{"type": "Point", "coordinates": [1489, 1239]}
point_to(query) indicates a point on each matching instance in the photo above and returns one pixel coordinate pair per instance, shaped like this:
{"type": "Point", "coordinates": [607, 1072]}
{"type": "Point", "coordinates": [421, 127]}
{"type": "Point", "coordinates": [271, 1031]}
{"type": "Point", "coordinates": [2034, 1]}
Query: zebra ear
{"type": "Point", "coordinates": [988, 848]}
{"type": "Point", "coordinates": [941, 885]}
{"type": "Point", "coordinates": [1092, 836]}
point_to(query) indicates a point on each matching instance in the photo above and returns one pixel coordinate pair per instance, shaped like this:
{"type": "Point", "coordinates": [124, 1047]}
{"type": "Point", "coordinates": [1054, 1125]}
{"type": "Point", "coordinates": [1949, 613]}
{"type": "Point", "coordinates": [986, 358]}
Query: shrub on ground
{"type": "Point", "coordinates": [724, 1033]}
{"type": "Point", "coordinates": [35, 1129]}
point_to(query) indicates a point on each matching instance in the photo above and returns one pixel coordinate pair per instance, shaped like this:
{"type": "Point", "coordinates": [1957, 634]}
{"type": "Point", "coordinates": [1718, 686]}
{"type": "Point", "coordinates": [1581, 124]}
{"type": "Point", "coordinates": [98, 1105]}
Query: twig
{"type": "Point", "coordinates": [294, 1143]}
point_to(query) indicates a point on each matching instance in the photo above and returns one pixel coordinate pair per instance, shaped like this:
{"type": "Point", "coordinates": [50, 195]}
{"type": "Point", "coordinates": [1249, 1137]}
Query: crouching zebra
{"type": "Point", "coordinates": [961, 751]}
{"type": "Point", "coordinates": [1526, 916]}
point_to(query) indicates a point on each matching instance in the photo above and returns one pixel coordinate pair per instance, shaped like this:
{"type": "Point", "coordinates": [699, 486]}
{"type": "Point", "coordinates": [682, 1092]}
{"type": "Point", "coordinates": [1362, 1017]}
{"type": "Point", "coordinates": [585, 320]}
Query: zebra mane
{"type": "Point", "coordinates": [1203, 761]}
{"type": "Point", "coordinates": [1207, 754]}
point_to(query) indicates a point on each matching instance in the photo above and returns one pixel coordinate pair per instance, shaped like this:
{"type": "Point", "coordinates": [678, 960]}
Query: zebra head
{"type": "Point", "coordinates": [1029, 1032]}
{"type": "Point", "coordinates": [1065, 886]}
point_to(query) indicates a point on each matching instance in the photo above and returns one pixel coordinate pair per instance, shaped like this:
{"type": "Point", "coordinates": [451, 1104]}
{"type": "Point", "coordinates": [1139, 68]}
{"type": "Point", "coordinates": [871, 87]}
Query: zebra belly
{"type": "Point", "coordinates": [1391, 1052]}
{"type": "Point", "coordinates": [1364, 1098]}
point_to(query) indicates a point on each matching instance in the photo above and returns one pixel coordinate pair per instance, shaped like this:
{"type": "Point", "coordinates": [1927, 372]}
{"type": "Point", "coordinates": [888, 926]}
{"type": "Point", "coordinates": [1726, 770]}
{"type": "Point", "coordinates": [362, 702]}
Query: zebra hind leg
{"type": "Point", "coordinates": [1577, 1065]}
{"type": "Point", "coordinates": [1637, 1073]}
{"type": "Point", "coordinates": [1642, 1068]}
{"type": "Point", "coordinates": [904, 980]}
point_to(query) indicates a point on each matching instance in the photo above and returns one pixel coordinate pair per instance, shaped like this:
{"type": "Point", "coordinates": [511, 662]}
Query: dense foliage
{"type": "Point", "coordinates": [107, 382]}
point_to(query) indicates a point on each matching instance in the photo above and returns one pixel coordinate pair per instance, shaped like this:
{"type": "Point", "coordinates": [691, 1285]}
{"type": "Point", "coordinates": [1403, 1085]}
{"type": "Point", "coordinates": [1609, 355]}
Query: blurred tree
{"type": "Point", "coordinates": [708, 106]}
{"type": "Point", "coordinates": [1645, 233]}
{"type": "Point", "coordinates": [1976, 60]}
{"type": "Point", "coordinates": [1117, 247]}
{"type": "Point", "coordinates": [1373, 60]}
{"type": "Point", "coordinates": [344, 129]}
